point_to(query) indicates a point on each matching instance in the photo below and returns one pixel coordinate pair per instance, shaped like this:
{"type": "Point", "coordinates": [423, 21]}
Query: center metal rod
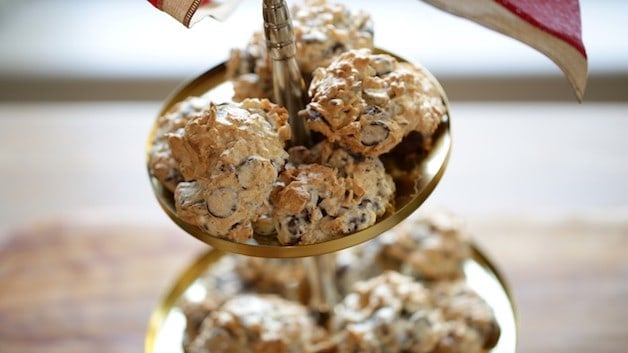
{"type": "Point", "coordinates": [288, 84]}
{"type": "Point", "coordinates": [320, 272]}
{"type": "Point", "coordinates": [289, 91]}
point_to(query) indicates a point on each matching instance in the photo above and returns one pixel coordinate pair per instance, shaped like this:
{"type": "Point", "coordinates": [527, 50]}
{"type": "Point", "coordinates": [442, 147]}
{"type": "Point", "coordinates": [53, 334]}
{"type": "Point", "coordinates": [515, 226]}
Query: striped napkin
{"type": "Point", "coordinates": [188, 12]}
{"type": "Point", "coordinates": [552, 27]}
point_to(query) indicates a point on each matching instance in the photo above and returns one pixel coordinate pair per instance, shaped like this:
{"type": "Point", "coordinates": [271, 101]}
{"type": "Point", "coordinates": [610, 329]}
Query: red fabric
{"type": "Point", "coordinates": [561, 18]}
{"type": "Point", "coordinates": [156, 3]}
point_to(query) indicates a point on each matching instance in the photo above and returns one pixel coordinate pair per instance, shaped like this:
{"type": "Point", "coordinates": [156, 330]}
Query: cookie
{"type": "Point", "coordinates": [472, 322]}
{"type": "Point", "coordinates": [310, 196]}
{"type": "Point", "coordinates": [431, 246]}
{"type": "Point", "coordinates": [283, 277]}
{"type": "Point", "coordinates": [219, 285]}
{"type": "Point", "coordinates": [369, 102]}
{"type": "Point", "coordinates": [389, 313]}
{"type": "Point", "coordinates": [250, 70]}
{"type": "Point", "coordinates": [230, 156]}
{"type": "Point", "coordinates": [161, 163]}
{"type": "Point", "coordinates": [322, 30]}
{"type": "Point", "coordinates": [325, 193]}
{"type": "Point", "coordinates": [250, 323]}
{"type": "Point", "coordinates": [325, 29]}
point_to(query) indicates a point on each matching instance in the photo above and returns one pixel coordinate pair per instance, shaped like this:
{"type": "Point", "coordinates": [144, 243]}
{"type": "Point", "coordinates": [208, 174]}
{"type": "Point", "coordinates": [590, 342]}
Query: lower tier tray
{"type": "Point", "coordinates": [218, 273]}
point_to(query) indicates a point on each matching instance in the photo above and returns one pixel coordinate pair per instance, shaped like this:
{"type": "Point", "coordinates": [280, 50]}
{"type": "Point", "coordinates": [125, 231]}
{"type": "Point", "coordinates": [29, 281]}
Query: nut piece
{"type": "Point", "coordinates": [326, 192]}
{"type": "Point", "coordinates": [368, 102]}
{"type": "Point", "coordinates": [322, 30]}
{"type": "Point", "coordinates": [230, 156]}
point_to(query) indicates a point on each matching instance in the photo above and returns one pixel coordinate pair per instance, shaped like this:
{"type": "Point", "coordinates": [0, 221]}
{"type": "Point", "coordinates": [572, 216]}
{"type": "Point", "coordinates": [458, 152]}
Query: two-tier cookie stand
{"type": "Point", "coordinates": [414, 180]}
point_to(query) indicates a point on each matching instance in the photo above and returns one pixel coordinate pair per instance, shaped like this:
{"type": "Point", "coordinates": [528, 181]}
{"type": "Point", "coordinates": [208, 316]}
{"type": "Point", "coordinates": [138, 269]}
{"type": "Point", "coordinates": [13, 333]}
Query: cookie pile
{"type": "Point", "coordinates": [228, 166]}
{"type": "Point", "coordinates": [392, 301]}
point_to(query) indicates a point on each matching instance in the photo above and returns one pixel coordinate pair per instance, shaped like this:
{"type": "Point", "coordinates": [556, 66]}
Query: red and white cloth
{"type": "Point", "coordinates": [552, 27]}
{"type": "Point", "coordinates": [188, 12]}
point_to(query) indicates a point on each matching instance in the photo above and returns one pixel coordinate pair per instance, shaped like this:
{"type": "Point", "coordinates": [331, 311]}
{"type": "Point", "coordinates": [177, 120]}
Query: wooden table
{"type": "Point", "coordinates": [85, 252]}
{"type": "Point", "coordinates": [90, 286]}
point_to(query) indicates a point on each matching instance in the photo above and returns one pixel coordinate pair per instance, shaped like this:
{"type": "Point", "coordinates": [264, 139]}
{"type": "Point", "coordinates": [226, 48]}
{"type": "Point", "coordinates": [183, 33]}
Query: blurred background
{"type": "Point", "coordinates": [541, 179]}
{"type": "Point", "coordinates": [124, 50]}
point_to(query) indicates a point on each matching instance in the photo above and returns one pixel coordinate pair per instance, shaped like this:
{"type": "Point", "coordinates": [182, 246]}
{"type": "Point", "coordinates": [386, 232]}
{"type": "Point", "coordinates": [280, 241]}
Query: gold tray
{"type": "Point", "coordinates": [414, 177]}
{"type": "Point", "coordinates": [167, 322]}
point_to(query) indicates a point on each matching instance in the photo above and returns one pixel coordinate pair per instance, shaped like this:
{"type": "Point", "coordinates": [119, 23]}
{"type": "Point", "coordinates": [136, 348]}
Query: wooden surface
{"type": "Point", "coordinates": [90, 287]}
{"type": "Point", "coordinates": [69, 287]}
{"type": "Point", "coordinates": [85, 251]}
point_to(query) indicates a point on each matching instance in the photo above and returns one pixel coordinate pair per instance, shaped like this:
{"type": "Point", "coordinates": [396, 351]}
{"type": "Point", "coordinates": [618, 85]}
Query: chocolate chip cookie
{"type": "Point", "coordinates": [229, 156]}
{"type": "Point", "coordinates": [369, 102]}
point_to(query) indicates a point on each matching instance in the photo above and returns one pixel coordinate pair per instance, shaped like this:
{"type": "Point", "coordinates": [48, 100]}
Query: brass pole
{"type": "Point", "coordinates": [288, 84]}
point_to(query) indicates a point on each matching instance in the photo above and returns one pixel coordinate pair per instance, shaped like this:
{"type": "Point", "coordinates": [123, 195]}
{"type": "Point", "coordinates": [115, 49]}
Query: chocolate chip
{"type": "Point", "coordinates": [339, 48]}
{"type": "Point", "coordinates": [248, 170]}
{"type": "Point", "coordinates": [314, 115]}
{"type": "Point", "coordinates": [222, 202]}
{"type": "Point", "coordinates": [374, 133]}
{"type": "Point", "coordinates": [295, 228]}
{"type": "Point", "coordinates": [226, 168]}
{"type": "Point", "coordinates": [341, 270]}
{"type": "Point", "coordinates": [412, 143]}
{"type": "Point", "coordinates": [358, 158]}
{"type": "Point", "coordinates": [492, 336]}
{"type": "Point", "coordinates": [250, 63]}
{"type": "Point", "coordinates": [365, 203]}
{"type": "Point", "coordinates": [355, 223]}
{"type": "Point", "coordinates": [372, 110]}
